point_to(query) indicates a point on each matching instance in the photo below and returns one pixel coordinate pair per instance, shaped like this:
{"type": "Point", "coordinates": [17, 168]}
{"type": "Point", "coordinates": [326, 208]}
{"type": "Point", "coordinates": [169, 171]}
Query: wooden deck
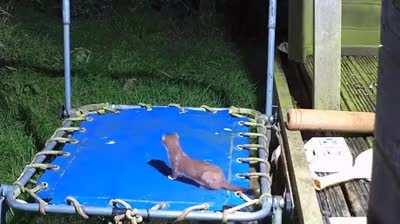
{"type": "Point", "coordinates": [358, 93]}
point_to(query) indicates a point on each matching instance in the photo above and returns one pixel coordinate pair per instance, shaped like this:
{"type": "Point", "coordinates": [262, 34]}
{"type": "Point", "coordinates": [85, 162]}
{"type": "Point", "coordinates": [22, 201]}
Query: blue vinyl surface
{"type": "Point", "coordinates": [122, 156]}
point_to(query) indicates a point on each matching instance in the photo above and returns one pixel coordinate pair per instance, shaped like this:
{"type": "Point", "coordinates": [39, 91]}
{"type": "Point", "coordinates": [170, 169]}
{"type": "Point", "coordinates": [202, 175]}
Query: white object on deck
{"type": "Point", "coordinates": [348, 220]}
{"type": "Point", "coordinates": [362, 169]}
{"type": "Point", "coordinates": [328, 154]}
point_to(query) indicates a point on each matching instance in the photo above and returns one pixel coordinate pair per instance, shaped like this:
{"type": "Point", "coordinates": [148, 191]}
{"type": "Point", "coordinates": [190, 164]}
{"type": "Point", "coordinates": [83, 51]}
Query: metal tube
{"type": "Point", "coordinates": [3, 208]}
{"type": "Point", "coordinates": [67, 56]}
{"type": "Point", "coordinates": [9, 192]}
{"type": "Point", "coordinates": [29, 172]}
{"type": "Point", "coordinates": [265, 185]}
{"type": "Point", "coordinates": [271, 59]}
{"type": "Point", "coordinates": [156, 214]}
{"type": "Point", "coordinates": [277, 210]}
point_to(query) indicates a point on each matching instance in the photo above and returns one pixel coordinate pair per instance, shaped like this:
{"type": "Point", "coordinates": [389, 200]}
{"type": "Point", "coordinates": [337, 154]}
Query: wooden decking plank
{"type": "Point", "coordinates": [358, 81]}
{"type": "Point", "coordinates": [355, 77]}
{"type": "Point", "coordinates": [356, 87]}
{"type": "Point", "coordinates": [358, 92]}
{"type": "Point", "coordinates": [357, 191]}
{"type": "Point", "coordinates": [334, 202]}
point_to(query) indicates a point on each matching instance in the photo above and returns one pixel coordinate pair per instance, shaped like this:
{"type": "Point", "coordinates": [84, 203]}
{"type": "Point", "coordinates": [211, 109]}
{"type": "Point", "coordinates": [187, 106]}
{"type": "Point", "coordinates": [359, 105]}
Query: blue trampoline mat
{"type": "Point", "coordinates": [121, 156]}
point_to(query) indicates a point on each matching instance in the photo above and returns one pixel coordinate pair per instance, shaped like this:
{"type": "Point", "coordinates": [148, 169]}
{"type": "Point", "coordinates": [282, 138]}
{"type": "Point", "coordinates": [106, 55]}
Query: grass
{"type": "Point", "coordinates": [137, 55]}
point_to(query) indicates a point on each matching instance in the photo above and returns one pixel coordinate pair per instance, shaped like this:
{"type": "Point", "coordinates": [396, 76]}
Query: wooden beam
{"type": "Point", "coordinates": [327, 53]}
{"type": "Point", "coordinates": [305, 198]}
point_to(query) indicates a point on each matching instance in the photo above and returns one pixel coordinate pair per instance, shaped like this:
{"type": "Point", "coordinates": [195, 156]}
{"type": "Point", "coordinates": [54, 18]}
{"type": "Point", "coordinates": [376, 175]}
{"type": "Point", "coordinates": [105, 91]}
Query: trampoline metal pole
{"type": "Point", "coordinates": [277, 210]}
{"type": "Point", "coordinates": [270, 59]}
{"type": "Point", "coordinates": [2, 207]}
{"type": "Point", "coordinates": [67, 55]}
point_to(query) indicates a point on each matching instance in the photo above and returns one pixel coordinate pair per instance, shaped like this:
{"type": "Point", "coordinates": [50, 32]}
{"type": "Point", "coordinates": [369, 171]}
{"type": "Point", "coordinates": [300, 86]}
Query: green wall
{"type": "Point", "coordinates": [360, 26]}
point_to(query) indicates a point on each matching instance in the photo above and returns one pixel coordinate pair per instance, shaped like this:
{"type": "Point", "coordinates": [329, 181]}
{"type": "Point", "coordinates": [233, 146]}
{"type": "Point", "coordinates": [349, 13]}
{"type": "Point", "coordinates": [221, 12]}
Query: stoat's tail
{"type": "Point", "coordinates": [230, 187]}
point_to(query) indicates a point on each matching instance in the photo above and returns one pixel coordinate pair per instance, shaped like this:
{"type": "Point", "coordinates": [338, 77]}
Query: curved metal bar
{"type": "Point", "coordinates": [3, 208]}
{"type": "Point", "coordinates": [146, 213]}
{"type": "Point", "coordinates": [265, 210]}
{"type": "Point", "coordinates": [28, 173]}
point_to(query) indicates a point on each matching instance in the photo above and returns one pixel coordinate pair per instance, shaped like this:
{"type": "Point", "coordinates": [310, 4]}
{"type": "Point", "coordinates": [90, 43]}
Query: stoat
{"type": "Point", "coordinates": [205, 174]}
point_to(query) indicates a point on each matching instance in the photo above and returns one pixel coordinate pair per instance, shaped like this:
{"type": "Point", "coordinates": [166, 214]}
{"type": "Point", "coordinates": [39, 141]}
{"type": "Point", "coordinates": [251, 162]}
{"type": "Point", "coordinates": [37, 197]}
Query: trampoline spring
{"type": "Point", "coordinates": [69, 130]}
{"type": "Point", "coordinates": [147, 106]}
{"type": "Point", "coordinates": [254, 147]}
{"type": "Point", "coordinates": [235, 111]}
{"type": "Point", "coordinates": [62, 140]}
{"type": "Point", "coordinates": [107, 109]}
{"type": "Point", "coordinates": [41, 203]}
{"type": "Point", "coordinates": [193, 208]}
{"type": "Point", "coordinates": [243, 196]}
{"type": "Point", "coordinates": [209, 109]}
{"type": "Point", "coordinates": [53, 153]}
{"type": "Point", "coordinates": [41, 186]}
{"type": "Point", "coordinates": [253, 135]}
{"type": "Point", "coordinates": [110, 108]}
{"type": "Point", "coordinates": [159, 206]}
{"type": "Point", "coordinates": [43, 166]}
{"type": "Point", "coordinates": [115, 202]}
{"type": "Point", "coordinates": [77, 206]}
{"type": "Point", "coordinates": [240, 207]}
{"type": "Point", "coordinates": [251, 124]}
{"type": "Point", "coordinates": [249, 202]}
{"type": "Point", "coordinates": [251, 160]}
{"type": "Point", "coordinates": [236, 115]}
{"type": "Point", "coordinates": [180, 108]}
{"type": "Point", "coordinates": [251, 175]}
{"type": "Point", "coordinates": [32, 181]}
{"type": "Point", "coordinates": [80, 117]}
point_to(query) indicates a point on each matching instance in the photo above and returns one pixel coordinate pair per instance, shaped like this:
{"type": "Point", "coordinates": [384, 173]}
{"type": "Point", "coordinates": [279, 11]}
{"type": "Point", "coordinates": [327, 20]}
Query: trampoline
{"type": "Point", "coordinates": [108, 160]}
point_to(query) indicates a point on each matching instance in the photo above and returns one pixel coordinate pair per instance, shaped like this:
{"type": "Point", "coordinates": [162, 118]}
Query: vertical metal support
{"type": "Point", "coordinates": [271, 60]}
{"type": "Point", "coordinates": [277, 210]}
{"type": "Point", "coordinates": [67, 55]}
{"type": "Point", "coordinates": [3, 208]}
{"type": "Point", "coordinates": [327, 53]}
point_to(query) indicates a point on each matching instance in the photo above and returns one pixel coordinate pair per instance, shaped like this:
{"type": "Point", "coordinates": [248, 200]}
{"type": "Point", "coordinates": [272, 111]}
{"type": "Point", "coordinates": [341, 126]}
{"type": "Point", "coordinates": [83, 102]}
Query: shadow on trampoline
{"type": "Point", "coordinates": [165, 170]}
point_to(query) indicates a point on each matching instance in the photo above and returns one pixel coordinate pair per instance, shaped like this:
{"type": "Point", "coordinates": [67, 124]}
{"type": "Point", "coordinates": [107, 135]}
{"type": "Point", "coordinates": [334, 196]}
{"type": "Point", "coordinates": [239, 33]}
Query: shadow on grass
{"type": "Point", "coordinates": [25, 116]}
{"type": "Point", "coordinates": [253, 54]}
{"type": "Point", "coordinates": [123, 76]}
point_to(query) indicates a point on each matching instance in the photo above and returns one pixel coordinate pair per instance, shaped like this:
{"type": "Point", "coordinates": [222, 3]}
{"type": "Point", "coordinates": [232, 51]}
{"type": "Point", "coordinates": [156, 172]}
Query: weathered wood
{"type": "Point", "coordinates": [333, 202]}
{"type": "Point", "coordinates": [357, 191]}
{"type": "Point", "coordinates": [306, 204]}
{"type": "Point", "coordinates": [327, 53]}
{"type": "Point", "coordinates": [358, 81]}
{"type": "Point", "coordinates": [358, 93]}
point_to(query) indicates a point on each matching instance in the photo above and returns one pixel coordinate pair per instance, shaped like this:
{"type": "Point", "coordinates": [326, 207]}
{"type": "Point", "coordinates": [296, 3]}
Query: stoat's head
{"type": "Point", "coordinates": [170, 140]}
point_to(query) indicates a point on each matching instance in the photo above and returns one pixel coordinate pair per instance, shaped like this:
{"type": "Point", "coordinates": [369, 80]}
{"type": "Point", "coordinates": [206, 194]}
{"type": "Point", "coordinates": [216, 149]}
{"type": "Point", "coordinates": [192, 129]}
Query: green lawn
{"type": "Point", "coordinates": [137, 55]}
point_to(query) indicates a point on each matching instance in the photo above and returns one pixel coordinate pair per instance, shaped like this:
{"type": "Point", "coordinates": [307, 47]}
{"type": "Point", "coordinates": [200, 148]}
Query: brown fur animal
{"type": "Point", "coordinates": [205, 174]}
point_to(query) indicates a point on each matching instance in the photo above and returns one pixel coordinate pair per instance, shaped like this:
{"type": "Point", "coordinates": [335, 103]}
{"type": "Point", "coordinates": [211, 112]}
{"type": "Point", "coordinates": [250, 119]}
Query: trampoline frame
{"type": "Point", "coordinates": [270, 205]}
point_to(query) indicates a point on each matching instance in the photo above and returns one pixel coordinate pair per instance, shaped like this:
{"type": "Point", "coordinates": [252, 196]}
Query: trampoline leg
{"type": "Point", "coordinates": [271, 60]}
{"type": "Point", "coordinates": [2, 208]}
{"type": "Point", "coordinates": [67, 55]}
{"type": "Point", "coordinates": [277, 208]}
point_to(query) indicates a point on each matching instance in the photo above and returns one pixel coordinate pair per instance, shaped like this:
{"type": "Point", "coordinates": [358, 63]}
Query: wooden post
{"type": "Point", "coordinates": [327, 53]}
